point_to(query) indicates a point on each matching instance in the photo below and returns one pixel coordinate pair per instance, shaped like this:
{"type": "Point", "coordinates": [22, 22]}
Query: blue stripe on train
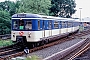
{"type": "Point", "coordinates": [44, 25]}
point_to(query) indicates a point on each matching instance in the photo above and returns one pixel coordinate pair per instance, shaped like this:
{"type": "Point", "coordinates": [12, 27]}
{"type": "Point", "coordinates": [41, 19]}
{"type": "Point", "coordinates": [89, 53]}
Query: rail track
{"type": "Point", "coordinates": [84, 56]}
{"type": "Point", "coordinates": [81, 51]}
{"type": "Point", "coordinates": [8, 53]}
{"type": "Point", "coordinates": [8, 50]}
{"type": "Point", "coordinates": [77, 52]}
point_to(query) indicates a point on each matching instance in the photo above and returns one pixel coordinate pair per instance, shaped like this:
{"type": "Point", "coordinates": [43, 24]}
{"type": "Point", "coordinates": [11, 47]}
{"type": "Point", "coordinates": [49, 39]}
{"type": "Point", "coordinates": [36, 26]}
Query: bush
{"type": "Point", "coordinates": [5, 43]}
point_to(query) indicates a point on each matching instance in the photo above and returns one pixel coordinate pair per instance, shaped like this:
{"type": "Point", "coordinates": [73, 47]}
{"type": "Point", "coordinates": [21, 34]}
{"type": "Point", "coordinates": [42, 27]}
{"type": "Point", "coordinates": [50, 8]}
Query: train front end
{"type": "Point", "coordinates": [21, 29]}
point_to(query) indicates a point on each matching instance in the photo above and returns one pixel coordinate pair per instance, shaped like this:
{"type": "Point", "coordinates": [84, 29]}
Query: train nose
{"type": "Point", "coordinates": [19, 39]}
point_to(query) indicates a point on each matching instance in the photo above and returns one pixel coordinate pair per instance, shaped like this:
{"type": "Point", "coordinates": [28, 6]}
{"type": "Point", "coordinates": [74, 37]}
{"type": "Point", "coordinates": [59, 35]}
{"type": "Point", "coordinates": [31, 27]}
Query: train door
{"type": "Point", "coordinates": [67, 26]}
{"type": "Point", "coordinates": [46, 28]}
{"type": "Point", "coordinates": [65, 23]}
{"type": "Point", "coordinates": [43, 27]}
{"type": "Point", "coordinates": [63, 27]}
{"type": "Point", "coordinates": [50, 26]}
{"type": "Point", "coordinates": [60, 26]}
{"type": "Point", "coordinates": [72, 27]}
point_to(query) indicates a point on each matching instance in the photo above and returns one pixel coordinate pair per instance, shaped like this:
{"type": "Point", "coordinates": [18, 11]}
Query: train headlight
{"type": "Point", "coordinates": [13, 34]}
{"type": "Point", "coordinates": [29, 34]}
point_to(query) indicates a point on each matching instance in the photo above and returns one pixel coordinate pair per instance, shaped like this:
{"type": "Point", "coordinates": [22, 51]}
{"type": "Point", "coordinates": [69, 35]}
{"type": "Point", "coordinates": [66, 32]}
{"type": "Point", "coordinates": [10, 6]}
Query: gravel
{"type": "Point", "coordinates": [54, 49]}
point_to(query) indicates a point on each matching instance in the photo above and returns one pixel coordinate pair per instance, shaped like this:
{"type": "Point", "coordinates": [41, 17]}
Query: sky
{"type": "Point", "coordinates": [85, 11]}
{"type": "Point", "coordinates": [84, 4]}
{"type": "Point", "coordinates": [6, 0]}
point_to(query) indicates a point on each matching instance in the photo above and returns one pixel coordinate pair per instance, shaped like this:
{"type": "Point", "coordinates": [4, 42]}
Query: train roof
{"type": "Point", "coordinates": [26, 15]}
{"type": "Point", "coordinates": [29, 15]}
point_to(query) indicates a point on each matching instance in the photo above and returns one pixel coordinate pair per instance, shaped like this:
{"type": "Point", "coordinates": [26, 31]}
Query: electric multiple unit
{"type": "Point", "coordinates": [34, 27]}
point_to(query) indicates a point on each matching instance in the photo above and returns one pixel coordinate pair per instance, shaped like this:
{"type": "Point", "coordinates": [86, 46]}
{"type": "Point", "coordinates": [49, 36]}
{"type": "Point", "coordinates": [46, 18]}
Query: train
{"type": "Point", "coordinates": [35, 29]}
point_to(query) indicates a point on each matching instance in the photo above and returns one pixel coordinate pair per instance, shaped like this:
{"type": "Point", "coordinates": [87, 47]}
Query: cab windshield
{"type": "Point", "coordinates": [18, 24]}
{"type": "Point", "coordinates": [15, 24]}
{"type": "Point", "coordinates": [22, 25]}
{"type": "Point", "coordinates": [28, 25]}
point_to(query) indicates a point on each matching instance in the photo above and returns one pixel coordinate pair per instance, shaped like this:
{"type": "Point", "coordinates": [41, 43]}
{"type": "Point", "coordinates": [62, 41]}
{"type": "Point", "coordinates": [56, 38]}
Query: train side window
{"type": "Point", "coordinates": [38, 24]}
{"type": "Point", "coordinates": [60, 24]}
{"type": "Point", "coordinates": [50, 24]}
{"type": "Point", "coordinates": [28, 25]}
{"type": "Point", "coordinates": [56, 24]}
{"type": "Point", "coordinates": [75, 24]}
{"type": "Point", "coordinates": [69, 24]}
{"type": "Point", "coordinates": [63, 24]}
{"type": "Point", "coordinates": [15, 24]}
{"type": "Point", "coordinates": [66, 24]}
{"type": "Point", "coordinates": [42, 24]}
{"type": "Point", "coordinates": [72, 24]}
{"type": "Point", "coordinates": [47, 24]}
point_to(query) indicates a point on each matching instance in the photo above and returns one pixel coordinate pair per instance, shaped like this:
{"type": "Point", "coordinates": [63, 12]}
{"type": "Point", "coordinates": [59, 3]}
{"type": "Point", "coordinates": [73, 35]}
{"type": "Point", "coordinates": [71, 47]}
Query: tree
{"type": "Point", "coordinates": [5, 25]}
{"type": "Point", "coordinates": [8, 6]}
{"type": "Point", "coordinates": [34, 6]}
{"type": "Point", "coordinates": [62, 8]}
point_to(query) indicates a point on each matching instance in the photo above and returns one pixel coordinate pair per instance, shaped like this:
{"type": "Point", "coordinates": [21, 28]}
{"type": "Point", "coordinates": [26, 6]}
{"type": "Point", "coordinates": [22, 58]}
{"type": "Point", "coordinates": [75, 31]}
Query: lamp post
{"type": "Point", "coordinates": [80, 20]}
{"type": "Point", "coordinates": [80, 14]}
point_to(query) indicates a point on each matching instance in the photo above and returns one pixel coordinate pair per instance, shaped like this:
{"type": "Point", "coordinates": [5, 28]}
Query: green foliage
{"type": "Point", "coordinates": [34, 57]}
{"type": "Point", "coordinates": [5, 43]}
{"type": "Point", "coordinates": [7, 9]}
{"type": "Point", "coordinates": [62, 8]}
{"type": "Point", "coordinates": [34, 6]}
{"type": "Point", "coordinates": [5, 22]}
{"type": "Point", "coordinates": [9, 6]}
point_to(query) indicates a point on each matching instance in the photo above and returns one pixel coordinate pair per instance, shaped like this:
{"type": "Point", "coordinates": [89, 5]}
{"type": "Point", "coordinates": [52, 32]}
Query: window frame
{"type": "Point", "coordinates": [13, 24]}
{"type": "Point", "coordinates": [56, 24]}
{"type": "Point", "coordinates": [26, 23]}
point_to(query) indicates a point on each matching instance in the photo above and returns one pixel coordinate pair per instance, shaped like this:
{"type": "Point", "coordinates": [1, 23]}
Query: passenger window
{"type": "Point", "coordinates": [38, 24]}
{"type": "Point", "coordinates": [50, 24]}
{"type": "Point", "coordinates": [69, 24]}
{"type": "Point", "coordinates": [56, 24]}
{"type": "Point", "coordinates": [72, 24]}
{"type": "Point", "coordinates": [60, 25]}
{"type": "Point", "coordinates": [28, 25]}
{"type": "Point", "coordinates": [63, 24]}
{"type": "Point", "coordinates": [66, 24]}
{"type": "Point", "coordinates": [15, 25]}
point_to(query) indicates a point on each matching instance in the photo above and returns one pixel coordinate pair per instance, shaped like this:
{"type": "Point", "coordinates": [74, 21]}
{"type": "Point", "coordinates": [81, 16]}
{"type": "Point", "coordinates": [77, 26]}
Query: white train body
{"type": "Point", "coordinates": [39, 30]}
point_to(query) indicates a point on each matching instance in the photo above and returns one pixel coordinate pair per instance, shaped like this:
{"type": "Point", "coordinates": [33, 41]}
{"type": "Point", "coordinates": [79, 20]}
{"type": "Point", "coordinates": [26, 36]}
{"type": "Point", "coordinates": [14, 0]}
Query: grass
{"type": "Point", "coordinates": [34, 57]}
{"type": "Point", "coordinates": [4, 43]}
